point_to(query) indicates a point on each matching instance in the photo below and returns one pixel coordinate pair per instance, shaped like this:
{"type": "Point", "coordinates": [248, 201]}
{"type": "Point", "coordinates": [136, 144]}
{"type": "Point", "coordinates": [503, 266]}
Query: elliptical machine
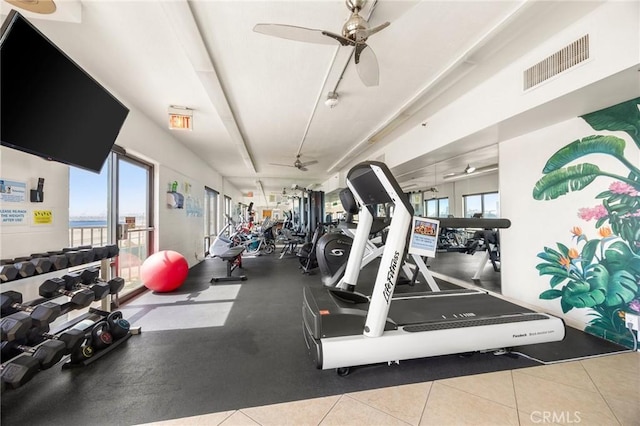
{"type": "Point", "coordinates": [307, 253]}
{"type": "Point", "coordinates": [333, 248]}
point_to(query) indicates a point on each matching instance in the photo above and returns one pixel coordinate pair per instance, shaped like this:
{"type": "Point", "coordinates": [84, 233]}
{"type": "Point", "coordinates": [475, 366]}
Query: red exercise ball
{"type": "Point", "coordinates": [164, 271]}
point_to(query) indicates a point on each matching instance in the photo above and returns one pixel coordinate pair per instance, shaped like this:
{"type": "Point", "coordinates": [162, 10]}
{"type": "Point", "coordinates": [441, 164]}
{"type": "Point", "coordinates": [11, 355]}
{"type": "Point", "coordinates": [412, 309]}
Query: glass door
{"type": "Point", "coordinates": [133, 216]}
{"type": "Point", "coordinates": [210, 217]}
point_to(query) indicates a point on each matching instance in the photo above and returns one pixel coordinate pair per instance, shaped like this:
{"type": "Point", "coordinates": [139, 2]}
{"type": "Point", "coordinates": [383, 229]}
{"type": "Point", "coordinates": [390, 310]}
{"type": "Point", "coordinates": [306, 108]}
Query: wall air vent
{"type": "Point", "coordinates": [562, 60]}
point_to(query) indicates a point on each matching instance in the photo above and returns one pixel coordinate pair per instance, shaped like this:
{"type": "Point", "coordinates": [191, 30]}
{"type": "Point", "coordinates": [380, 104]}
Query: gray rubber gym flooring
{"type": "Point", "coordinates": [209, 348]}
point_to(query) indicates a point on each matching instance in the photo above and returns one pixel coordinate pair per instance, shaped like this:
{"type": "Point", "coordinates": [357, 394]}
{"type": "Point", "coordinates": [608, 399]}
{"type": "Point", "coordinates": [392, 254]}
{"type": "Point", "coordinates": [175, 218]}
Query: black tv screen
{"type": "Point", "coordinates": [50, 106]}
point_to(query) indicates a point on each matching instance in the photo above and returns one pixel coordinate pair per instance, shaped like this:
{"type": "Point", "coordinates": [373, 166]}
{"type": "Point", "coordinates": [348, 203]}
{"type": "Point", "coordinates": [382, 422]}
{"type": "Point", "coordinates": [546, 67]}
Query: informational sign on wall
{"type": "Point", "coordinates": [424, 236]}
{"type": "Point", "coordinates": [13, 216]}
{"type": "Point", "coordinates": [12, 191]}
{"type": "Point", "coordinates": [42, 217]}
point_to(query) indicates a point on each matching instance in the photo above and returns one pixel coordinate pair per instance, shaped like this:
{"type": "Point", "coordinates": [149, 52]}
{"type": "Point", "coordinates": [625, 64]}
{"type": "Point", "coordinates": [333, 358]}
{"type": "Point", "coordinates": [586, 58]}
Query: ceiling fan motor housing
{"type": "Point", "coordinates": [355, 28]}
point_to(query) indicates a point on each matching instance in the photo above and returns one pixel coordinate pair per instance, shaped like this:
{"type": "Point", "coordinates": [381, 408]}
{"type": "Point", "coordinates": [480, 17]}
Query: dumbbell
{"type": "Point", "coordinates": [100, 252]}
{"type": "Point", "coordinates": [74, 258]}
{"type": "Point", "coordinates": [112, 250]}
{"type": "Point", "coordinates": [58, 260]}
{"type": "Point", "coordinates": [41, 314]}
{"type": "Point", "coordinates": [116, 285]}
{"type": "Point", "coordinates": [15, 326]}
{"type": "Point", "coordinates": [72, 338]}
{"type": "Point", "coordinates": [19, 371]}
{"type": "Point", "coordinates": [42, 265]}
{"type": "Point", "coordinates": [86, 252]}
{"type": "Point", "coordinates": [74, 281]}
{"type": "Point", "coordinates": [25, 268]}
{"type": "Point", "coordinates": [56, 287]}
{"type": "Point", "coordinates": [8, 272]}
{"type": "Point", "coordinates": [91, 275]}
{"type": "Point", "coordinates": [48, 353]}
{"type": "Point", "coordinates": [118, 326]}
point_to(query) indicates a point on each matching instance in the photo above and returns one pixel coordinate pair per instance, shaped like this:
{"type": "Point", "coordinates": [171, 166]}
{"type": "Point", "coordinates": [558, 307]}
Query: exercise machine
{"type": "Point", "coordinates": [333, 249]}
{"type": "Point", "coordinates": [223, 248]}
{"type": "Point", "coordinates": [343, 329]}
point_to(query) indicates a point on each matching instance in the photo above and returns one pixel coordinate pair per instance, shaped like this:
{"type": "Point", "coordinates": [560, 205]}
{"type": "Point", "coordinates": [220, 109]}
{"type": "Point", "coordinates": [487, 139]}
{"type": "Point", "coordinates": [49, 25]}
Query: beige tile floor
{"type": "Point", "coordinates": [599, 391]}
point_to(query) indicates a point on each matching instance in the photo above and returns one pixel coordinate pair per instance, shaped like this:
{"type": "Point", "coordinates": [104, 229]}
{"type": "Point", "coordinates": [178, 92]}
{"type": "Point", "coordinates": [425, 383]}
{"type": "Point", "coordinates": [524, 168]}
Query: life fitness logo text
{"type": "Point", "coordinates": [388, 286]}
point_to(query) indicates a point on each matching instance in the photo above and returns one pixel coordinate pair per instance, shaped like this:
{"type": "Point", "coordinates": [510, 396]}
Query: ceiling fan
{"type": "Point", "coordinates": [355, 33]}
{"type": "Point", "coordinates": [298, 164]}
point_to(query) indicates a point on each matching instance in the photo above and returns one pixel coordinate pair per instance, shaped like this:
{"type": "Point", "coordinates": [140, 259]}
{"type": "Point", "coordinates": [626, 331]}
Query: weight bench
{"type": "Point", "coordinates": [233, 257]}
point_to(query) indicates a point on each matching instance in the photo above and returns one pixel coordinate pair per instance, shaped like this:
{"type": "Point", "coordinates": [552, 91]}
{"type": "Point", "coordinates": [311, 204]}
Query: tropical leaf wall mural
{"type": "Point", "coordinates": [598, 269]}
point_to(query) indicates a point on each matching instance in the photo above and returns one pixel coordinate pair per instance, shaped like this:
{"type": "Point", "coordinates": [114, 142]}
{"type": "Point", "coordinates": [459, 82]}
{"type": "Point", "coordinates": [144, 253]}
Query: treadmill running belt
{"type": "Point", "coordinates": [473, 322]}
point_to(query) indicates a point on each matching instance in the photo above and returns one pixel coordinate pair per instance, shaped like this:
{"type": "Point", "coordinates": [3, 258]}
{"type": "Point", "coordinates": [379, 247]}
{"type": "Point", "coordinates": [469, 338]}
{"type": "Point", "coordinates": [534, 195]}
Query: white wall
{"type": "Point", "coordinates": [614, 47]}
{"type": "Point", "coordinates": [27, 238]}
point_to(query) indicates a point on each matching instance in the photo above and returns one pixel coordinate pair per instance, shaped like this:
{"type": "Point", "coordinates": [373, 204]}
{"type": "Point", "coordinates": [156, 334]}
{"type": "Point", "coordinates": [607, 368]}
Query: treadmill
{"type": "Point", "coordinates": [343, 328]}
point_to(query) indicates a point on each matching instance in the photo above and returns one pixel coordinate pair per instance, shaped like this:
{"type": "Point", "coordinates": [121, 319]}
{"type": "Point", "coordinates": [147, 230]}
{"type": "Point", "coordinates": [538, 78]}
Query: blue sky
{"type": "Point", "coordinates": [88, 191]}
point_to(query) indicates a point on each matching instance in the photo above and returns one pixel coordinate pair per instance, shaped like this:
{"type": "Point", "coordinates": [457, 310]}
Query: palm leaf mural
{"type": "Point", "coordinates": [623, 117]}
{"type": "Point", "coordinates": [596, 144]}
{"type": "Point", "coordinates": [599, 275]}
{"type": "Point", "coordinates": [562, 181]}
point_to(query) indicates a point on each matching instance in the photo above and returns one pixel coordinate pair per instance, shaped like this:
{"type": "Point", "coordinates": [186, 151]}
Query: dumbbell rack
{"type": "Point", "coordinates": [106, 303]}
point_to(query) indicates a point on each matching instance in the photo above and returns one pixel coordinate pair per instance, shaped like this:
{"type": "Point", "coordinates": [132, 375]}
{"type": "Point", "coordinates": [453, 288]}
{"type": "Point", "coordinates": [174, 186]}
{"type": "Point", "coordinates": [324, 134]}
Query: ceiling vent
{"type": "Point", "coordinates": [562, 60]}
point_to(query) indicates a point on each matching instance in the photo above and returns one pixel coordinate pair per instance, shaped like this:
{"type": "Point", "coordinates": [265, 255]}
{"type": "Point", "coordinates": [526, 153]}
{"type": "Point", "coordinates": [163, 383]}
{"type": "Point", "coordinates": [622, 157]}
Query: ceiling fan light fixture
{"type": "Point", "coordinates": [36, 6]}
{"type": "Point", "coordinates": [332, 99]}
{"type": "Point", "coordinates": [469, 169]}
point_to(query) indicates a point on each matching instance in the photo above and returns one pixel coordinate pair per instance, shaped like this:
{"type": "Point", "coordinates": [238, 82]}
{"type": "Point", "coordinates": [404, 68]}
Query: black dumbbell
{"type": "Point", "coordinates": [118, 326]}
{"type": "Point", "coordinates": [25, 268]}
{"type": "Point", "coordinates": [41, 314]}
{"type": "Point", "coordinates": [56, 286]}
{"type": "Point", "coordinates": [15, 326]}
{"type": "Point", "coordinates": [116, 285]}
{"type": "Point", "coordinates": [72, 338]}
{"type": "Point", "coordinates": [19, 371]}
{"type": "Point", "coordinates": [100, 335]}
{"type": "Point", "coordinates": [74, 281]}
{"type": "Point", "coordinates": [86, 252]}
{"type": "Point", "coordinates": [48, 353]}
{"type": "Point", "coordinates": [75, 258]}
{"type": "Point", "coordinates": [100, 252]}
{"type": "Point", "coordinates": [113, 250]}
{"type": "Point", "coordinates": [58, 259]}
{"type": "Point", "coordinates": [41, 264]}
{"type": "Point", "coordinates": [8, 272]}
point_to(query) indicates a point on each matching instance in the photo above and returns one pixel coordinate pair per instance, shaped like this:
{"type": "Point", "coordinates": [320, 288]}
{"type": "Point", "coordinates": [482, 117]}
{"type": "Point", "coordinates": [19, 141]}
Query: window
{"type": "Point", "coordinates": [114, 206]}
{"type": "Point", "coordinates": [210, 216]}
{"type": "Point", "coordinates": [228, 212]}
{"type": "Point", "coordinates": [437, 207]}
{"type": "Point", "coordinates": [486, 204]}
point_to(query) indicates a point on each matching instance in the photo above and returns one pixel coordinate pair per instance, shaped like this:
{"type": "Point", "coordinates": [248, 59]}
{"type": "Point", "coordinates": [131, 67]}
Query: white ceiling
{"type": "Point", "coordinates": [259, 100]}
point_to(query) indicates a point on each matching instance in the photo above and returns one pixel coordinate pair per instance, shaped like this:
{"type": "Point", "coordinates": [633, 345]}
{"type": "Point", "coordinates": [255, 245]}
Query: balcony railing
{"type": "Point", "coordinates": [133, 247]}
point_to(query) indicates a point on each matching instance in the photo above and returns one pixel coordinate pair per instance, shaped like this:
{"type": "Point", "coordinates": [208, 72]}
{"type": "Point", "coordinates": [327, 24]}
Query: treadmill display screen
{"type": "Point", "coordinates": [368, 186]}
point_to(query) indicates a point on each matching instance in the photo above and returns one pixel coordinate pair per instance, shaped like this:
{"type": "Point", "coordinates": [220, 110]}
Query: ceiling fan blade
{"type": "Point", "coordinates": [308, 163]}
{"type": "Point", "coordinates": [302, 168]}
{"type": "Point", "coordinates": [292, 32]}
{"type": "Point", "coordinates": [342, 40]}
{"type": "Point", "coordinates": [371, 31]}
{"type": "Point", "coordinates": [283, 165]}
{"type": "Point", "coordinates": [367, 65]}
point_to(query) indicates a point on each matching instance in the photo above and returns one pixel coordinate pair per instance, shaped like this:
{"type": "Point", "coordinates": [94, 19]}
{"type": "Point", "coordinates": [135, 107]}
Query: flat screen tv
{"type": "Point", "coordinates": [50, 106]}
